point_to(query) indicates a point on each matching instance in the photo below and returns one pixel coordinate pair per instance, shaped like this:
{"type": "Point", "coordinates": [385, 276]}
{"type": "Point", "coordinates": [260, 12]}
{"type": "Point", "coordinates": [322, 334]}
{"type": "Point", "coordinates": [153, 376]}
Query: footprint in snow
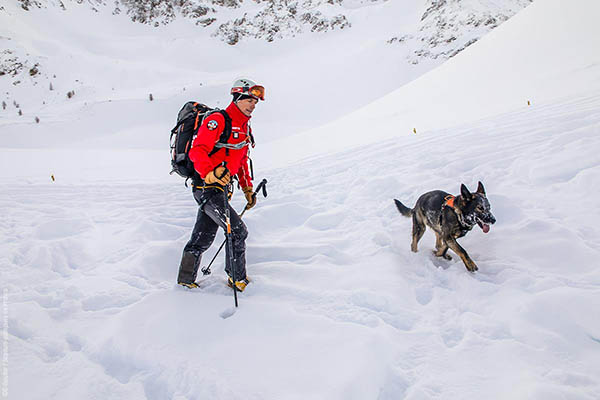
{"type": "Point", "coordinates": [452, 336]}
{"type": "Point", "coordinates": [423, 295]}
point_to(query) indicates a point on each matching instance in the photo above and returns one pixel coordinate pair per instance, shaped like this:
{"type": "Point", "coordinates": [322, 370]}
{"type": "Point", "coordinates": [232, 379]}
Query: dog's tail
{"type": "Point", "coordinates": [407, 212]}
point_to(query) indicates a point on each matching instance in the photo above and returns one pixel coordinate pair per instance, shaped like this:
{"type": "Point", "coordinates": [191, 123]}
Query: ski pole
{"type": "Point", "coordinates": [229, 251]}
{"type": "Point", "coordinates": [261, 186]}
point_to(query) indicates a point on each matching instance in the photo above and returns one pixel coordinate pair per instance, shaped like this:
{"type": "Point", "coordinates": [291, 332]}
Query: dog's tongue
{"type": "Point", "coordinates": [485, 228]}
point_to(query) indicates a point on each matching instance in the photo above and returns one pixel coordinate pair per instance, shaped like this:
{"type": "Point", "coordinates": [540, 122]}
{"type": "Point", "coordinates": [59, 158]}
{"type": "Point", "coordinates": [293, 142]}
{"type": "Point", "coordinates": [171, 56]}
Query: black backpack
{"type": "Point", "coordinates": [189, 120]}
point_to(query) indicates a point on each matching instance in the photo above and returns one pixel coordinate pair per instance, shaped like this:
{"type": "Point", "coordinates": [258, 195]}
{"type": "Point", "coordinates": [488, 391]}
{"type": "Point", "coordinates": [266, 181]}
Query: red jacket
{"type": "Point", "coordinates": [208, 135]}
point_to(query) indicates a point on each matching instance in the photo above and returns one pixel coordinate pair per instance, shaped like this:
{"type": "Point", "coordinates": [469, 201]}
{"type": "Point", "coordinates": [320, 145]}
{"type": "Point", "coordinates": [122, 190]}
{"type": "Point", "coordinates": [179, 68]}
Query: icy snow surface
{"type": "Point", "coordinates": [338, 307]}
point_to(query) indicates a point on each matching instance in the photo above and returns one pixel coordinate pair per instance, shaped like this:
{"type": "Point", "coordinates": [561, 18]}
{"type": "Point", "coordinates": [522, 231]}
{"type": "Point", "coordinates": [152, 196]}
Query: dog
{"type": "Point", "coordinates": [450, 217]}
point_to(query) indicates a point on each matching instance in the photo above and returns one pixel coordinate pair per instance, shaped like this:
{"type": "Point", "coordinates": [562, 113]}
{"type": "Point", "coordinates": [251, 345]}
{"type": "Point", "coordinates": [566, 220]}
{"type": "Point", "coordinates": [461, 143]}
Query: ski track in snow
{"type": "Point", "coordinates": [338, 307]}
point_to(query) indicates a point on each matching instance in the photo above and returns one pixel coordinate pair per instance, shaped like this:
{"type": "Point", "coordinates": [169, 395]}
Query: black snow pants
{"type": "Point", "coordinates": [211, 216]}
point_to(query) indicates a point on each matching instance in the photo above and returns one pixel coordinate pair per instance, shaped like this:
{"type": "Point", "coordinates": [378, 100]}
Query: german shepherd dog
{"type": "Point", "coordinates": [450, 218]}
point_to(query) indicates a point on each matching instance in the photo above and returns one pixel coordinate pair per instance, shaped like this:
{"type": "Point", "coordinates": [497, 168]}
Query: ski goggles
{"type": "Point", "coordinates": [256, 91]}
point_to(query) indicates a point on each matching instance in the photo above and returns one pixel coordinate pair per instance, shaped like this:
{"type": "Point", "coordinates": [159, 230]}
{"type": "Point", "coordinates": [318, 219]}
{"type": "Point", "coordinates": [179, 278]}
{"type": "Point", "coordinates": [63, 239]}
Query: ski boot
{"type": "Point", "coordinates": [192, 285]}
{"type": "Point", "coordinates": [240, 285]}
{"type": "Point", "coordinates": [188, 270]}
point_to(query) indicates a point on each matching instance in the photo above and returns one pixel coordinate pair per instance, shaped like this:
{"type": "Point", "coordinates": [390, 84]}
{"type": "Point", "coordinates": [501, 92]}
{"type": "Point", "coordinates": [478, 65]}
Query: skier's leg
{"type": "Point", "coordinates": [202, 237]}
{"type": "Point", "coordinates": [239, 234]}
{"type": "Point", "coordinates": [214, 209]}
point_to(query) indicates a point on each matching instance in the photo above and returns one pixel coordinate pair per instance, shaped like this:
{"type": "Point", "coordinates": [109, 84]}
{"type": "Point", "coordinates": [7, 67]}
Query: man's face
{"type": "Point", "coordinates": [246, 106]}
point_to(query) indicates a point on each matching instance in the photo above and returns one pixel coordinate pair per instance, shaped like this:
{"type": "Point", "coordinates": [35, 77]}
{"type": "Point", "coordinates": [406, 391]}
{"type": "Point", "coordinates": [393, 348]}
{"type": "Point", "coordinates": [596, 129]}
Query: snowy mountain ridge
{"type": "Point", "coordinates": [447, 27]}
{"type": "Point", "coordinates": [262, 19]}
{"type": "Point", "coordinates": [441, 22]}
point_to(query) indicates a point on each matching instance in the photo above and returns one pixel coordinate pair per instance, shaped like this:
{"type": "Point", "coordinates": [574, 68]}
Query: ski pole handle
{"type": "Point", "coordinates": [262, 185]}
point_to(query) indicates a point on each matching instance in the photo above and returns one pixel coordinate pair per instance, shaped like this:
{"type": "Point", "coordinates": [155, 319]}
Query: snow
{"type": "Point", "coordinates": [544, 54]}
{"type": "Point", "coordinates": [338, 307]}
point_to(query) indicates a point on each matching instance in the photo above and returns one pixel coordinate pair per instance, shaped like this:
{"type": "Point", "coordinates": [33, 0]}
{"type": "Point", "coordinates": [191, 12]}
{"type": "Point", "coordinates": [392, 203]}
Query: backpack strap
{"type": "Point", "coordinates": [224, 138]}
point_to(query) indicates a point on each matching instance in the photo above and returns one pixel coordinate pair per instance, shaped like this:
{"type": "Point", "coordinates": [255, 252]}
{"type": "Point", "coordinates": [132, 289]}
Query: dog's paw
{"type": "Point", "coordinates": [471, 266]}
{"type": "Point", "coordinates": [444, 256]}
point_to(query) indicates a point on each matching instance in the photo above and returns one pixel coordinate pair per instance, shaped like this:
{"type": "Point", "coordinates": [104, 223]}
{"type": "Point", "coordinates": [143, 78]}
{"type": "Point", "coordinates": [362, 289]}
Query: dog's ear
{"type": "Point", "coordinates": [464, 192]}
{"type": "Point", "coordinates": [480, 188]}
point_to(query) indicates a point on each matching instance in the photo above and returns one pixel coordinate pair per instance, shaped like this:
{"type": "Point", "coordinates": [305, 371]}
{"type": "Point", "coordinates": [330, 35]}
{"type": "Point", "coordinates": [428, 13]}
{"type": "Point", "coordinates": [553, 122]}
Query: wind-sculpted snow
{"type": "Point", "coordinates": [335, 292]}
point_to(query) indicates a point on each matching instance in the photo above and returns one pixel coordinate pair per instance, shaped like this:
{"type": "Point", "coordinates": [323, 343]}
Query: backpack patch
{"type": "Point", "coordinates": [212, 125]}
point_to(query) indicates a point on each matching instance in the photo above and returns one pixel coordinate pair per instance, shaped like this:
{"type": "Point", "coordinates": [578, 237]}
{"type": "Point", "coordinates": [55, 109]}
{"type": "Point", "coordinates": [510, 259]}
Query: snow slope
{"type": "Point", "coordinates": [339, 308]}
{"type": "Point", "coordinates": [548, 51]}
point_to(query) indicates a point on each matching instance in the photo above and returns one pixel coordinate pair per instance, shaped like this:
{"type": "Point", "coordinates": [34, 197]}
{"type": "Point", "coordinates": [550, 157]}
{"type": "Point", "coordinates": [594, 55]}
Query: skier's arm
{"type": "Point", "coordinates": [208, 134]}
{"type": "Point", "coordinates": [245, 180]}
{"type": "Point", "coordinates": [244, 172]}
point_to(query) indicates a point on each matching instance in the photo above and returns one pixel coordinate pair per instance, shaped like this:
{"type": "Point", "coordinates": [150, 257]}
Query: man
{"type": "Point", "coordinates": [215, 164]}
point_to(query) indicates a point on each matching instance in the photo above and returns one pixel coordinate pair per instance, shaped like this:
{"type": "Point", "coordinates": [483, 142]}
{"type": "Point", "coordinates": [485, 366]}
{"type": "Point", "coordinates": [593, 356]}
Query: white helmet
{"type": "Point", "coordinates": [247, 87]}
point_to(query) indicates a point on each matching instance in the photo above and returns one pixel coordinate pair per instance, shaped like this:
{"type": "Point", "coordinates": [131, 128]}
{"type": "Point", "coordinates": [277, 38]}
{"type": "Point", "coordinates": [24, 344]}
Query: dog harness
{"type": "Point", "coordinates": [449, 201]}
